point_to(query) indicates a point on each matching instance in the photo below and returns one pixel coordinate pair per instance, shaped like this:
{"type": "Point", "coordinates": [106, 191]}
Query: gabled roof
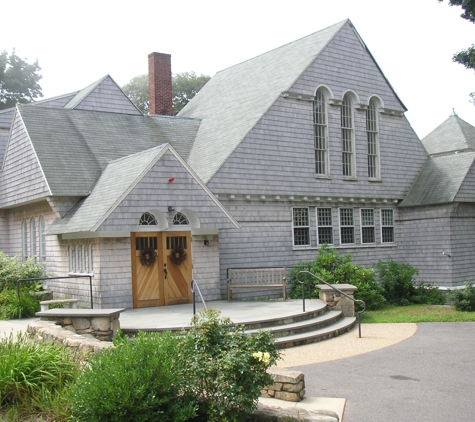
{"type": "Point", "coordinates": [74, 146]}
{"type": "Point", "coordinates": [452, 149]}
{"type": "Point", "coordinates": [454, 134]}
{"type": "Point", "coordinates": [115, 183]}
{"type": "Point", "coordinates": [235, 99]}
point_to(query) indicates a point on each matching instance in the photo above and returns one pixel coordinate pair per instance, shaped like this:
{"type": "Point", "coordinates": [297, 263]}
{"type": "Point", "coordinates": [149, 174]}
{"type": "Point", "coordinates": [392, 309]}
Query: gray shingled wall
{"type": "Point", "coordinates": [21, 165]}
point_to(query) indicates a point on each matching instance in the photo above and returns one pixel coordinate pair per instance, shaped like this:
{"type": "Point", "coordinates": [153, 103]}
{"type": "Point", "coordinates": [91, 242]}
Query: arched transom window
{"type": "Point", "coordinates": [180, 219]}
{"type": "Point", "coordinates": [148, 219]}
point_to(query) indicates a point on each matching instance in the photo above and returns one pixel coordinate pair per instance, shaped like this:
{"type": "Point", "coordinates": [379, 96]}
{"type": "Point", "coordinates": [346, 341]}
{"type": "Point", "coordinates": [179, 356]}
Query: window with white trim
{"type": "Point", "coordinates": [24, 241]}
{"type": "Point", "coordinates": [387, 226]}
{"type": "Point", "coordinates": [148, 219]}
{"type": "Point", "coordinates": [321, 133]}
{"type": "Point", "coordinates": [301, 227]}
{"type": "Point", "coordinates": [42, 239]}
{"type": "Point", "coordinates": [347, 226]}
{"type": "Point", "coordinates": [180, 219]}
{"type": "Point", "coordinates": [367, 225]}
{"type": "Point", "coordinates": [33, 251]}
{"type": "Point", "coordinates": [80, 259]}
{"type": "Point", "coordinates": [347, 134]}
{"type": "Point", "coordinates": [373, 139]}
{"type": "Point", "coordinates": [324, 226]}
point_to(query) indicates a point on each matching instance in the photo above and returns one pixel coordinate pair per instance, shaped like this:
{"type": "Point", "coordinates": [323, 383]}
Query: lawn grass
{"type": "Point", "coordinates": [417, 313]}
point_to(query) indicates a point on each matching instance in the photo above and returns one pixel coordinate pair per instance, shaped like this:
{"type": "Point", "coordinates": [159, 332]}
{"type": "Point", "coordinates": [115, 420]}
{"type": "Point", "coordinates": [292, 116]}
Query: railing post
{"type": "Point", "coordinates": [192, 285]}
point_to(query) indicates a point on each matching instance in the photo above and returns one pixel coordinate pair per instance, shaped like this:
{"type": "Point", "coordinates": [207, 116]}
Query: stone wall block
{"type": "Point", "coordinates": [287, 396]}
{"type": "Point", "coordinates": [81, 324]}
{"type": "Point", "coordinates": [100, 323]}
{"type": "Point", "coordinates": [293, 388]}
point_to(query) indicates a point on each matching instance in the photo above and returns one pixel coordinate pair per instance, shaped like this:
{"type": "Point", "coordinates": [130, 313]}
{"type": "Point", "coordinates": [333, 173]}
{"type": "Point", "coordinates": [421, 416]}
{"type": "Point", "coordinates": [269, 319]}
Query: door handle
{"type": "Point", "coordinates": [165, 272]}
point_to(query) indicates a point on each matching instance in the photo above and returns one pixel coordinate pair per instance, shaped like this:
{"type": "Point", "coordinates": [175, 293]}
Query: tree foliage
{"type": "Point", "coordinates": [466, 57]}
{"type": "Point", "coordinates": [184, 87]}
{"type": "Point", "coordinates": [19, 80]}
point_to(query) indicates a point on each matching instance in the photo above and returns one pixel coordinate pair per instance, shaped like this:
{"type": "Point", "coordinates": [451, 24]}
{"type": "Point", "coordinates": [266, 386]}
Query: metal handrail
{"type": "Point", "coordinates": [194, 285]}
{"type": "Point", "coordinates": [56, 278]}
{"type": "Point", "coordinates": [334, 288]}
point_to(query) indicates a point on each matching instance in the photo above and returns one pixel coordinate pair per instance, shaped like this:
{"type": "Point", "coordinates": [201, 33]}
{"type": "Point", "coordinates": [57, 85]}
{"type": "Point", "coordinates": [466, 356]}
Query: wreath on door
{"type": "Point", "coordinates": [148, 256]}
{"type": "Point", "coordinates": [178, 255]}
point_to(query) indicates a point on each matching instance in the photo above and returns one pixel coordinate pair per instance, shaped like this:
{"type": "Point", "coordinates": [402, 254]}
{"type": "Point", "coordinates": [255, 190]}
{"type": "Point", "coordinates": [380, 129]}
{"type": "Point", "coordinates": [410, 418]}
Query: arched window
{"type": "Point", "coordinates": [372, 131]}
{"type": "Point", "coordinates": [42, 239]}
{"type": "Point", "coordinates": [321, 132]}
{"type": "Point", "coordinates": [148, 219]}
{"type": "Point", "coordinates": [24, 241]}
{"type": "Point", "coordinates": [33, 237]}
{"type": "Point", "coordinates": [348, 139]}
{"type": "Point", "coordinates": [180, 220]}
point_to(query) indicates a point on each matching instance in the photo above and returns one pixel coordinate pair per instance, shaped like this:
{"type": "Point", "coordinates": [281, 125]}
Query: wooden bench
{"type": "Point", "coordinates": [256, 278]}
{"type": "Point", "coordinates": [73, 303]}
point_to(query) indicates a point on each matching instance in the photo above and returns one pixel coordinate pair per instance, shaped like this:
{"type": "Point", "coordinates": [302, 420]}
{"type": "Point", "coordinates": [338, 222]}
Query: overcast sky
{"type": "Point", "coordinates": [412, 40]}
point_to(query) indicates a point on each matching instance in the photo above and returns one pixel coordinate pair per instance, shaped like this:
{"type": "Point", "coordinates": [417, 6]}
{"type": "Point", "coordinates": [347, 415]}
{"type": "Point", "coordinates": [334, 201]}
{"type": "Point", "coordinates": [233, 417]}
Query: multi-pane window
{"type": "Point", "coordinates": [320, 125]}
{"type": "Point", "coordinates": [80, 259]}
{"type": "Point", "coordinates": [347, 226]}
{"type": "Point", "coordinates": [301, 226]}
{"type": "Point", "coordinates": [324, 226]}
{"type": "Point", "coordinates": [180, 219]}
{"type": "Point", "coordinates": [148, 219]}
{"type": "Point", "coordinates": [373, 139]}
{"type": "Point", "coordinates": [367, 226]}
{"type": "Point", "coordinates": [33, 237]}
{"type": "Point", "coordinates": [347, 134]}
{"type": "Point", "coordinates": [42, 239]}
{"type": "Point", "coordinates": [24, 241]}
{"type": "Point", "coordinates": [387, 226]}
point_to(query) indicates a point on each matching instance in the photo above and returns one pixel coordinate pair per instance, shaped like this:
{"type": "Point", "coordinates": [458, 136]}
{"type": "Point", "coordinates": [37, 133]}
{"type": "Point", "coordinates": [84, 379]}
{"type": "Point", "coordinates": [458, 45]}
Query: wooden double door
{"type": "Point", "coordinates": [158, 278]}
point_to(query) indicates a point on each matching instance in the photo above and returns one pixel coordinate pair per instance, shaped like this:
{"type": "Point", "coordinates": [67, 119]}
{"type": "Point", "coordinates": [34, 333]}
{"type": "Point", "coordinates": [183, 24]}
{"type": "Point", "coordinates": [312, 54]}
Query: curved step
{"type": "Point", "coordinates": [333, 330]}
{"type": "Point", "coordinates": [303, 326]}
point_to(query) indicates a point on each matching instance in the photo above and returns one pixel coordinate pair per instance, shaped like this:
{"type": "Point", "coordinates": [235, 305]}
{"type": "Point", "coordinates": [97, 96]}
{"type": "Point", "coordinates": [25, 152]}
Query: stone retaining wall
{"type": "Point", "coordinates": [288, 385]}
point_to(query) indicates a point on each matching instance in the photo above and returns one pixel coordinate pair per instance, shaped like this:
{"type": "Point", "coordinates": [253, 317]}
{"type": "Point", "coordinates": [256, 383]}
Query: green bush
{"type": "Point", "coordinates": [136, 381]}
{"type": "Point", "coordinates": [330, 266]}
{"type": "Point", "coordinates": [12, 306]}
{"type": "Point", "coordinates": [34, 376]}
{"type": "Point", "coordinates": [400, 288]}
{"type": "Point", "coordinates": [464, 299]}
{"type": "Point", "coordinates": [225, 369]}
{"type": "Point", "coordinates": [11, 270]}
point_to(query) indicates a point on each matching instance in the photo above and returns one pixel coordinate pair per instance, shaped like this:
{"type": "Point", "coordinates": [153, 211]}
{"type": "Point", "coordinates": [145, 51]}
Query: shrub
{"type": "Point", "coordinates": [225, 368]}
{"type": "Point", "coordinates": [330, 266]}
{"type": "Point", "coordinates": [464, 299]}
{"type": "Point", "coordinates": [11, 270]}
{"type": "Point", "coordinates": [34, 376]}
{"type": "Point", "coordinates": [12, 306]}
{"type": "Point", "coordinates": [137, 380]}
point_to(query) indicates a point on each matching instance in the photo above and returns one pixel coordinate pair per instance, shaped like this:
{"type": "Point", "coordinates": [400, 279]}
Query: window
{"type": "Point", "coordinates": [72, 260]}
{"type": "Point", "coordinates": [42, 239]}
{"type": "Point", "coordinates": [148, 219]}
{"type": "Point", "coordinates": [33, 238]}
{"type": "Point", "coordinates": [324, 226]}
{"type": "Point", "coordinates": [80, 259]}
{"type": "Point", "coordinates": [320, 125]}
{"type": "Point", "coordinates": [180, 219]}
{"type": "Point", "coordinates": [24, 241]}
{"type": "Point", "coordinates": [347, 134]}
{"type": "Point", "coordinates": [387, 226]}
{"type": "Point", "coordinates": [301, 227]}
{"type": "Point", "coordinates": [367, 226]}
{"type": "Point", "coordinates": [373, 139]}
{"type": "Point", "coordinates": [347, 226]}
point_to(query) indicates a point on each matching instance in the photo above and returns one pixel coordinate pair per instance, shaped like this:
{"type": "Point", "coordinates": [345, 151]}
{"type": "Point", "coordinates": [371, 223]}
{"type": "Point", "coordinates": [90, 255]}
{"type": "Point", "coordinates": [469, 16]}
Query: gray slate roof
{"type": "Point", "coordinates": [75, 146]}
{"type": "Point", "coordinates": [116, 181]}
{"type": "Point", "coordinates": [452, 149]}
{"type": "Point", "coordinates": [234, 100]}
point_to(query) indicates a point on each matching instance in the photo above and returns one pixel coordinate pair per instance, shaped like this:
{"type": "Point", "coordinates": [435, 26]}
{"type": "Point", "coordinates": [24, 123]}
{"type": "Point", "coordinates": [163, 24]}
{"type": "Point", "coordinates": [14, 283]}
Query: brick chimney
{"type": "Point", "coordinates": [160, 84]}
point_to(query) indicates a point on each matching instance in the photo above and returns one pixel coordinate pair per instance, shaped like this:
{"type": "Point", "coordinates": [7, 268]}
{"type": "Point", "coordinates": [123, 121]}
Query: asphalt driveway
{"type": "Point", "coordinates": [427, 377]}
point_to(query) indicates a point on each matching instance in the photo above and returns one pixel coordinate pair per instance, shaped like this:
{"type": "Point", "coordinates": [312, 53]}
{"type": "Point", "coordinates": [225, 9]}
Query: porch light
{"type": "Point", "coordinates": [171, 209]}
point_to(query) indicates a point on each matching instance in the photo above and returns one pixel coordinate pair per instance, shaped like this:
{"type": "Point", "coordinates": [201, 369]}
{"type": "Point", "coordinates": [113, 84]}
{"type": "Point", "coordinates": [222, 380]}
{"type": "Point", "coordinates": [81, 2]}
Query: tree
{"type": "Point", "coordinates": [184, 87]}
{"type": "Point", "coordinates": [18, 80]}
{"type": "Point", "coordinates": [466, 57]}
